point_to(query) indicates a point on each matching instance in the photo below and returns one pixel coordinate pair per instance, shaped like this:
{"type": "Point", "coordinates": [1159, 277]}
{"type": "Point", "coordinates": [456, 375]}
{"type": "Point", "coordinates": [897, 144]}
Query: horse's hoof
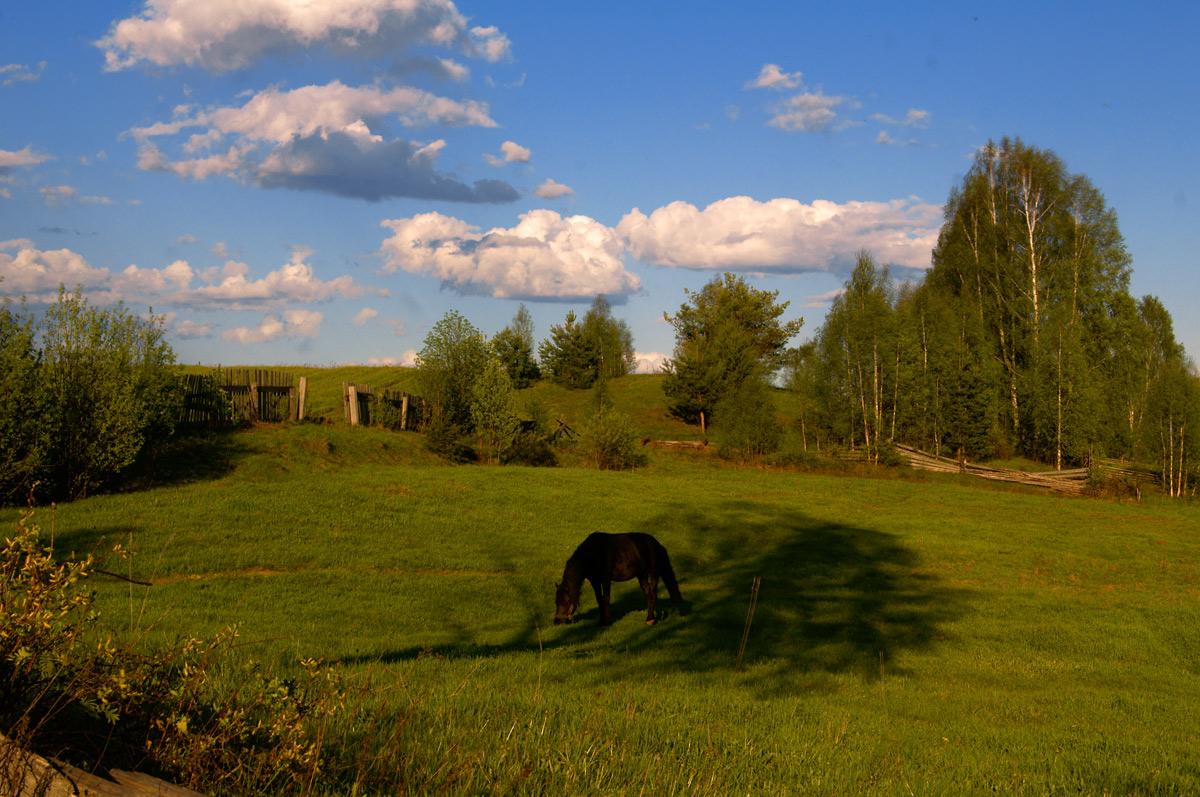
{"type": "Point", "coordinates": [651, 621]}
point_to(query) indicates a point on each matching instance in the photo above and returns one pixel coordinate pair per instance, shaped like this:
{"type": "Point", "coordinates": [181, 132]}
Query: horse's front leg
{"type": "Point", "coordinates": [650, 588]}
{"type": "Point", "coordinates": [603, 595]}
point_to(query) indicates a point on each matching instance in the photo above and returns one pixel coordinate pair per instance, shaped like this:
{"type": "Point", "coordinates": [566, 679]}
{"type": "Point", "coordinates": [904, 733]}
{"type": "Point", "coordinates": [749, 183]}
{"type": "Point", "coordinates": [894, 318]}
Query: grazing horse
{"type": "Point", "coordinates": [605, 558]}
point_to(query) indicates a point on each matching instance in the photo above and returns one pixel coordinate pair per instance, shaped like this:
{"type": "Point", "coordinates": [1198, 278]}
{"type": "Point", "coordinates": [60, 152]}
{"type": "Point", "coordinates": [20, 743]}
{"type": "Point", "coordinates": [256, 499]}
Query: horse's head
{"type": "Point", "coordinates": [564, 604]}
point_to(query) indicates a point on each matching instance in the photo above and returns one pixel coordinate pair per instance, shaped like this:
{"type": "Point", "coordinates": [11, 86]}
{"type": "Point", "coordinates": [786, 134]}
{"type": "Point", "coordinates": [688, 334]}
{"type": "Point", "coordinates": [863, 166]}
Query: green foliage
{"type": "Point", "coordinates": [110, 389]}
{"type": "Point", "coordinates": [578, 353]}
{"type": "Point", "coordinates": [514, 346]}
{"type": "Point", "coordinates": [22, 443]}
{"type": "Point", "coordinates": [113, 702]}
{"type": "Point", "coordinates": [745, 426]}
{"type": "Point", "coordinates": [101, 391]}
{"type": "Point", "coordinates": [493, 412]}
{"type": "Point", "coordinates": [454, 356]}
{"type": "Point", "coordinates": [1022, 338]}
{"type": "Point", "coordinates": [727, 332]}
{"type": "Point", "coordinates": [609, 441]}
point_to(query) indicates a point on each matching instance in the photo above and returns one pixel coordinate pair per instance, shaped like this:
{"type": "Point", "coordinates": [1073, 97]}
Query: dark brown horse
{"type": "Point", "coordinates": [605, 558]}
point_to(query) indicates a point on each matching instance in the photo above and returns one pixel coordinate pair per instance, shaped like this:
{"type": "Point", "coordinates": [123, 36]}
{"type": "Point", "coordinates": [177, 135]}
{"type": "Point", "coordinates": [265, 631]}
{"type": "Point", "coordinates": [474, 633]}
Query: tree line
{"type": "Point", "coordinates": [1022, 339]}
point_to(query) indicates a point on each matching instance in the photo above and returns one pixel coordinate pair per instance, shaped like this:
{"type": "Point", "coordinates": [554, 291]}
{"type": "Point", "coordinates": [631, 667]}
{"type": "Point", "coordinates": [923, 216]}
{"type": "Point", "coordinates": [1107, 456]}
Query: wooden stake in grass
{"type": "Point", "coordinates": [749, 619]}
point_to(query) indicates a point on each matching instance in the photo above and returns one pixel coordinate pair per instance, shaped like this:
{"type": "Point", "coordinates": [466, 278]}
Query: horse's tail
{"type": "Point", "coordinates": [668, 576]}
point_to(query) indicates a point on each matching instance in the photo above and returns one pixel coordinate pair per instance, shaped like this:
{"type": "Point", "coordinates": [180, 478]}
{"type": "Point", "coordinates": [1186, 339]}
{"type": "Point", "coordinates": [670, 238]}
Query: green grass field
{"type": "Point", "coordinates": [912, 635]}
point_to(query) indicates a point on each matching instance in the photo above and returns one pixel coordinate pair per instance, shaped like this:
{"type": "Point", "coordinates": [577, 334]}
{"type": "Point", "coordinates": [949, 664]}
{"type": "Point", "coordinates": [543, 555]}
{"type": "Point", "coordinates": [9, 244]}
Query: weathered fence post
{"type": "Point", "coordinates": [303, 394]}
{"type": "Point", "coordinates": [404, 411]}
{"type": "Point", "coordinates": [352, 392]}
{"type": "Point", "coordinates": [254, 401]}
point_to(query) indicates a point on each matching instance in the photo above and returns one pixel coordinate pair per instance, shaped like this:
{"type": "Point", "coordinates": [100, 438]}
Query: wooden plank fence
{"type": "Point", "coordinates": [256, 394]}
{"type": "Point", "coordinates": [357, 405]}
{"type": "Point", "coordinates": [1072, 482]}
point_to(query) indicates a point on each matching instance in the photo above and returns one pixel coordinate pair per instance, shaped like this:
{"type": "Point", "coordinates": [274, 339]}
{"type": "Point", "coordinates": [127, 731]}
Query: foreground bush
{"type": "Point", "coordinates": [101, 390]}
{"type": "Point", "coordinates": [103, 704]}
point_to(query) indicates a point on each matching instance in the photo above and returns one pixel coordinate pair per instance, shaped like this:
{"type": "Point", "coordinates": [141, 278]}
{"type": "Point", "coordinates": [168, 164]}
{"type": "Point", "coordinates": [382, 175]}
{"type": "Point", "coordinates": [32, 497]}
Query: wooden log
{"type": "Point", "coordinates": [139, 784]}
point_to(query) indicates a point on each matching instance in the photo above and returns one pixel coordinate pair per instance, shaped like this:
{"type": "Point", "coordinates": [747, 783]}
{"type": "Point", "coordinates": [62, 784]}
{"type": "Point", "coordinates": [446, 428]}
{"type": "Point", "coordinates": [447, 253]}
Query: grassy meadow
{"type": "Point", "coordinates": [913, 634]}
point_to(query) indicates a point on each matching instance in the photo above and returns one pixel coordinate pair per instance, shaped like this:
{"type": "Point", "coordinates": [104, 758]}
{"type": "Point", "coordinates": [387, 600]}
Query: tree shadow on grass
{"type": "Point", "coordinates": [194, 456]}
{"type": "Point", "coordinates": [832, 599]}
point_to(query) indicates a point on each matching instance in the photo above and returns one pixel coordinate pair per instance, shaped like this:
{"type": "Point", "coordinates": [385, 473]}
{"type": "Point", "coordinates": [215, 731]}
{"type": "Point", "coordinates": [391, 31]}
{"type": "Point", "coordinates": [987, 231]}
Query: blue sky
{"type": "Point", "coordinates": [319, 182]}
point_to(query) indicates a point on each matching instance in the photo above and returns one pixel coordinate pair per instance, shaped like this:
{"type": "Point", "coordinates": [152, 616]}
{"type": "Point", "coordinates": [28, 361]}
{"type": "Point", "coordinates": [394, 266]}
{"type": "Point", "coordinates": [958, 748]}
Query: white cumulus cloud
{"type": "Point", "coordinates": [324, 138]}
{"type": "Point", "coordinates": [39, 273]}
{"type": "Point", "coordinates": [293, 324]}
{"type": "Point", "coordinates": [222, 35]}
{"type": "Point", "coordinates": [544, 256]}
{"type": "Point", "coordinates": [32, 271]}
{"type": "Point", "coordinates": [782, 235]}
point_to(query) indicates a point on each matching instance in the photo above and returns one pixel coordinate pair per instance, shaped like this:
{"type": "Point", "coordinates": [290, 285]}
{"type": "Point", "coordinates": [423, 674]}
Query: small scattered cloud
{"type": "Point", "coordinates": [552, 190]}
{"type": "Point", "coordinates": [490, 43]}
{"type": "Point", "coordinates": [914, 118]}
{"type": "Point", "coordinates": [806, 113]}
{"type": "Point", "coordinates": [513, 153]}
{"type": "Point", "coordinates": [10, 161]}
{"type": "Point", "coordinates": [186, 239]}
{"type": "Point", "coordinates": [545, 256]}
{"type": "Point", "coordinates": [822, 301]}
{"type": "Point", "coordinates": [885, 140]}
{"type": "Point", "coordinates": [21, 73]}
{"type": "Point", "coordinates": [192, 329]}
{"type": "Point", "coordinates": [772, 77]}
{"type": "Point", "coordinates": [58, 196]}
{"type": "Point", "coordinates": [363, 316]}
{"type": "Point", "coordinates": [406, 360]}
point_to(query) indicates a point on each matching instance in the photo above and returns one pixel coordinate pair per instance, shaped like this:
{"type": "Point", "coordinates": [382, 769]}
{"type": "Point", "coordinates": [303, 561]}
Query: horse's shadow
{"type": "Point", "coordinates": [832, 598]}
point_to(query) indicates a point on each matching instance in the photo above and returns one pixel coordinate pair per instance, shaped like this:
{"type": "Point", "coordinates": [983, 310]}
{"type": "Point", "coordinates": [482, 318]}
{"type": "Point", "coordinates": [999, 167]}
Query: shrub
{"type": "Point", "coordinates": [608, 441]}
{"type": "Point", "coordinates": [109, 389]}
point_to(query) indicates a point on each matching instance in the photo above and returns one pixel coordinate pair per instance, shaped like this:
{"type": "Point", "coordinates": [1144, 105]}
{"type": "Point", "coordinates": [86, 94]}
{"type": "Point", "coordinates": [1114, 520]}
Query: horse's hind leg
{"type": "Point", "coordinates": [650, 588]}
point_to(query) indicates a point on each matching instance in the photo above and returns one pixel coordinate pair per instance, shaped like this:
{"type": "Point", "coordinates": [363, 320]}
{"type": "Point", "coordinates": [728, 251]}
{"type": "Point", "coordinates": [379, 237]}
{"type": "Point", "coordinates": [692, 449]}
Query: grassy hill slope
{"type": "Point", "coordinates": [910, 635]}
